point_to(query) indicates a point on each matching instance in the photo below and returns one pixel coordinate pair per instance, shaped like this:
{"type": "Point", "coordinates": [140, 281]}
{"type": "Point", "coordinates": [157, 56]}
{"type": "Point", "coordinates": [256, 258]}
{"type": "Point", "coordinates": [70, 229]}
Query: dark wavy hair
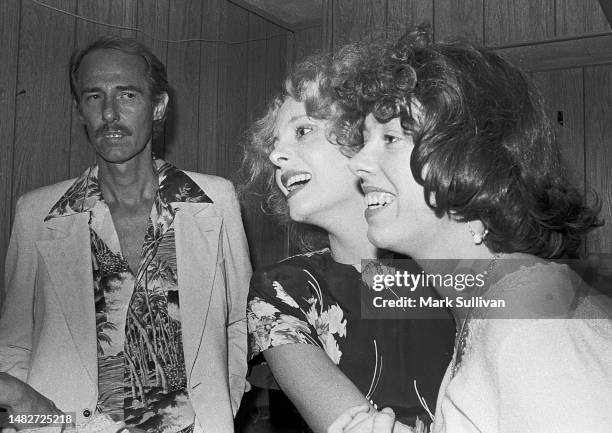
{"type": "Point", "coordinates": [484, 148]}
{"type": "Point", "coordinates": [156, 70]}
{"type": "Point", "coordinates": [313, 81]}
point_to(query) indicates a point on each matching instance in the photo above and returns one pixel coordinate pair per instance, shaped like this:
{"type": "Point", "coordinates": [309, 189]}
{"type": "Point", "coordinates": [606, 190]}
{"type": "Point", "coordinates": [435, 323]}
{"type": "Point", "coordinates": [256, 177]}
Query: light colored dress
{"type": "Point", "coordinates": [546, 367]}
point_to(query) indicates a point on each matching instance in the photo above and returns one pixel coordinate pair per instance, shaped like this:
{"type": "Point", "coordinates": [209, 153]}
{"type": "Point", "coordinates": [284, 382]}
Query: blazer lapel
{"type": "Point", "coordinates": [197, 231]}
{"type": "Point", "coordinates": [67, 258]}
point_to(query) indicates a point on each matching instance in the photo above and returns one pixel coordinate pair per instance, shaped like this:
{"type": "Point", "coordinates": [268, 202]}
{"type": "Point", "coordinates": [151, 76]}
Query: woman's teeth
{"type": "Point", "coordinates": [378, 199]}
{"type": "Point", "coordinates": [297, 180]}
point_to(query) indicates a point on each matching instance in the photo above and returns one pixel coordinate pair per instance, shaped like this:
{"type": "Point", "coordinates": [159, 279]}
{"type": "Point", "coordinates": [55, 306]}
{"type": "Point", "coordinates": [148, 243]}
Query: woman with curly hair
{"type": "Point", "coordinates": [304, 312]}
{"type": "Point", "coordinates": [459, 163]}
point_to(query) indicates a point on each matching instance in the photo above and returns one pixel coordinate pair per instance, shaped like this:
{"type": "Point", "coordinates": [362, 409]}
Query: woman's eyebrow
{"type": "Point", "coordinates": [296, 118]}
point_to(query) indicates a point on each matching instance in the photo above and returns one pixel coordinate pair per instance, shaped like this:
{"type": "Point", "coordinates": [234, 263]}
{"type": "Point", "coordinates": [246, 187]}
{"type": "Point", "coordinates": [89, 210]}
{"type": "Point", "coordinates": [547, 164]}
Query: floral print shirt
{"type": "Point", "coordinates": [312, 299]}
{"type": "Point", "coordinates": [141, 368]}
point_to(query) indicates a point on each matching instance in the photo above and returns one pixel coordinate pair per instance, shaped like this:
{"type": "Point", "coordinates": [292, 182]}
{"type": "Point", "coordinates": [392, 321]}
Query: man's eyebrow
{"type": "Point", "coordinates": [130, 88]}
{"type": "Point", "coordinates": [90, 90]}
{"type": "Point", "coordinates": [120, 88]}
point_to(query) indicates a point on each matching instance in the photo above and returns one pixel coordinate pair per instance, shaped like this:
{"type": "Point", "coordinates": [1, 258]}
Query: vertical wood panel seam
{"type": "Point", "coordinates": [286, 244]}
{"type": "Point", "coordinates": [584, 134]}
{"type": "Point", "coordinates": [484, 24]}
{"type": "Point", "coordinates": [13, 201]}
{"type": "Point", "coordinates": [74, 45]}
{"type": "Point", "coordinates": [332, 18]}
{"type": "Point", "coordinates": [386, 19]}
{"type": "Point", "coordinates": [586, 187]}
{"type": "Point", "coordinates": [197, 135]}
{"type": "Point", "coordinates": [217, 124]}
{"type": "Point", "coordinates": [433, 20]}
{"type": "Point", "coordinates": [249, 47]}
{"type": "Point", "coordinates": [221, 93]}
{"type": "Point", "coordinates": [162, 137]}
{"type": "Point", "coordinates": [291, 60]}
{"type": "Point", "coordinates": [221, 79]}
{"type": "Point", "coordinates": [167, 33]}
{"type": "Point", "coordinates": [267, 83]}
{"type": "Point", "coordinates": [333, 25]}
{"type": "Point", "coordinates": [555, 18]}
{"type": "Point", "coordinates": [135, 23]}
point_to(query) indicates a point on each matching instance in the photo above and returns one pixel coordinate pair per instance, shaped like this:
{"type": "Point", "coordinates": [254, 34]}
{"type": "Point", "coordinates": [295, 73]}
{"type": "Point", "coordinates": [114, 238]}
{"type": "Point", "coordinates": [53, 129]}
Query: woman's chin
{"type": "Point", "coordinates": [385, 239]}
{"type": "Point", "coordinates": [298, 214]}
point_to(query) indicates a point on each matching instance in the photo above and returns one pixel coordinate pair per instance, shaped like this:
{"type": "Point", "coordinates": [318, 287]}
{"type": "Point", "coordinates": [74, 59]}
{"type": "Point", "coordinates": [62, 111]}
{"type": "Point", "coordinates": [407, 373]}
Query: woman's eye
{"type": "Point", "coordinates": [301, 131]}
{"type": "Point", "coordinates": [390, 139]}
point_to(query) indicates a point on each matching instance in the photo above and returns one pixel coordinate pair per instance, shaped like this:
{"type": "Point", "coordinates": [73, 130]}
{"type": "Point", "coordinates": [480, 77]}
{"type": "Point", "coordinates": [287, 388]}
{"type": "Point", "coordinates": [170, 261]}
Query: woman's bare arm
{"type": "Point", "coordinates": [315, 385]}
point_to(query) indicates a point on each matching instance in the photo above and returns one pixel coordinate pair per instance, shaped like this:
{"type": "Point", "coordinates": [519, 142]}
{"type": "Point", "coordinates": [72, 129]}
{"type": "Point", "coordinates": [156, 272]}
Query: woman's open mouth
{"type": "Point", "coordinates": [294, 181]}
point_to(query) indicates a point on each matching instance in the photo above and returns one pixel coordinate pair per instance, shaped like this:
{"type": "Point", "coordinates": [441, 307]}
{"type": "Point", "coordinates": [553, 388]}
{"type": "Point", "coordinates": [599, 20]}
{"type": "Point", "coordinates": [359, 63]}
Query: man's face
{"type": "Point", "coordinates": [116, 106]}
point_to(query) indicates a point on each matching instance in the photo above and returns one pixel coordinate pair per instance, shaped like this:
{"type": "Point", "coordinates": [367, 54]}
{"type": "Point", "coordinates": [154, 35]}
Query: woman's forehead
{"type": "Point", "coordinates": [290, 108]}
{"type": "Point", "coordinates": [289, 112]}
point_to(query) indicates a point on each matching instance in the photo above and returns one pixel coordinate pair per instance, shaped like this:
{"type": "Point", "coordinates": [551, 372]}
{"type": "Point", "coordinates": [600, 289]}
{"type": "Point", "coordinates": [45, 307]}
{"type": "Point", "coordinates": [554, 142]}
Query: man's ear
{"type": "Point", "coordinates": [159, 111]}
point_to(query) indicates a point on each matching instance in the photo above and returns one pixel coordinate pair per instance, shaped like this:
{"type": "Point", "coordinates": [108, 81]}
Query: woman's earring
{"type": "Point", "coordinates": [477, 237]}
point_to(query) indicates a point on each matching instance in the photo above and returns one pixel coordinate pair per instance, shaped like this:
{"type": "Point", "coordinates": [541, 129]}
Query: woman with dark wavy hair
{"type": "Point", "coordinates": [459, 163]}
{"type": "Point", "coordinates": [304, 312]}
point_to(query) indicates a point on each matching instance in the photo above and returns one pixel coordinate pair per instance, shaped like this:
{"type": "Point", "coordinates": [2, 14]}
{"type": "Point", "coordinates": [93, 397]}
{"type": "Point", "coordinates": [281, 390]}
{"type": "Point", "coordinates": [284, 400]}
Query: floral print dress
{"type": "Point", "coordinates": [312, 299]}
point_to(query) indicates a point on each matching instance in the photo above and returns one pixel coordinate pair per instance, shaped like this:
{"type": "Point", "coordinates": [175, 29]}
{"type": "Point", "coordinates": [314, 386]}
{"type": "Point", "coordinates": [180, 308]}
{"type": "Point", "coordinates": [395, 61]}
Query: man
{"type": "Point", "coordinates": [147, 334]}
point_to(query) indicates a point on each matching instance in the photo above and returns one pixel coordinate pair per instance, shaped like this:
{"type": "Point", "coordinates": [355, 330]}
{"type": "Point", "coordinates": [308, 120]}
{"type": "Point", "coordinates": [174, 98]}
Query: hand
{"type": "Point", "coordinates": [362, 419]}
{"type": "Point", "coordinates": [21, 398]}
{"type": "Point", "coordinates": [351, 417]}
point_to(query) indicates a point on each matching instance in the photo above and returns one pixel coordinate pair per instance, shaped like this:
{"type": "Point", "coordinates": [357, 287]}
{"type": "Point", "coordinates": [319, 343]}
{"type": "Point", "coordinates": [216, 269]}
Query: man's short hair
{"type": "Point", "coordinates": [156, 70]}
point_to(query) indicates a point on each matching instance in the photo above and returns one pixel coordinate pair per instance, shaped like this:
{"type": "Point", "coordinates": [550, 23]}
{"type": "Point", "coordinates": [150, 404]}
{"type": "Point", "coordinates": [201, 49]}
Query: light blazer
{"type": "Point", "coordinates": [48, 329]}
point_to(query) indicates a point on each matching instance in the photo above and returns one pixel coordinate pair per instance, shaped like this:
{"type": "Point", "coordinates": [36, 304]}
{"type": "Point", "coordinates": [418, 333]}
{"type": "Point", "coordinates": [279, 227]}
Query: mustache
{"type": "Point", "coordinates": [107, 128]}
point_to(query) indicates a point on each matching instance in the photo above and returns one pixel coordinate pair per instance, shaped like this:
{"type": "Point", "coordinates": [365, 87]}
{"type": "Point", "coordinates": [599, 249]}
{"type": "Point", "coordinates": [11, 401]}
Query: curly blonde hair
{"type": "Point", "coordinates": [315, 82]}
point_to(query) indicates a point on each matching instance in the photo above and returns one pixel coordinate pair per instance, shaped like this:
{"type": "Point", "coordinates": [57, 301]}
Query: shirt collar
{"type": "Point", "coordinates": [174, 186]}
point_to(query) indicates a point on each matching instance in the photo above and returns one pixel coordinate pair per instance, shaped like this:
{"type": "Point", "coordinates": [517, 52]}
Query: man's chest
{"type": "Point", "coordinates": [131, 228]}
{"type": "Point", "coordinates": [131, 232]}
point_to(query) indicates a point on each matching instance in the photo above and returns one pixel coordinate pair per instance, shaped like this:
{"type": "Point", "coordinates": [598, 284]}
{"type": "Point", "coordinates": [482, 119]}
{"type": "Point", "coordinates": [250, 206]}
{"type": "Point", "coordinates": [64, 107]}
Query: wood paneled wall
{"type": "Point", "coordinates": [566, 45]}
{"type": "Point", "coordinates": [486, 22]}
{"type": "Point", "coordinates": [598, 157]}
{"type": "Point", "coordinates": [227, 64]}
{"type": "Point", "coordinates": [307, 41]}
{"type": "Point", "coordinates": [9, 32]}
{"type": "Point", "coordinates": [220, 85]}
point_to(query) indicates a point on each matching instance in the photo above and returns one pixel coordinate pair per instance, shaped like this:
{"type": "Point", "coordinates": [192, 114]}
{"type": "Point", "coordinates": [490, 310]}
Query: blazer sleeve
{"type": "Point", "coordinates": [17, 317]}
{"type": "Point", "coordinates": [237, 276]}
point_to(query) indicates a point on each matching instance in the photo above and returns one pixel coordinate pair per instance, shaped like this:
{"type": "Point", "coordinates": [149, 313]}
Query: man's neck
{"type": "Point", "coordinates": [128, 184]}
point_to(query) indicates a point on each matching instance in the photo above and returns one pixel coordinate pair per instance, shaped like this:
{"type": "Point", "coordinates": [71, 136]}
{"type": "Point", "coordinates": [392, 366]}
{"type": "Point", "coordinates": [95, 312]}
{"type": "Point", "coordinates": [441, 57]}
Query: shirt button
{"type": "Point", "coordinates": [86, 413]}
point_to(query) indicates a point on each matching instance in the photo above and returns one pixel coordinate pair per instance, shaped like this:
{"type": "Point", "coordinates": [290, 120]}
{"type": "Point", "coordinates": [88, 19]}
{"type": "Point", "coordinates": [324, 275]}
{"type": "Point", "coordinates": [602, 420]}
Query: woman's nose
{"type": "Point", "coordinates": [279, 155]}
{"type": "Point", "coordinates": [362, 163]}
